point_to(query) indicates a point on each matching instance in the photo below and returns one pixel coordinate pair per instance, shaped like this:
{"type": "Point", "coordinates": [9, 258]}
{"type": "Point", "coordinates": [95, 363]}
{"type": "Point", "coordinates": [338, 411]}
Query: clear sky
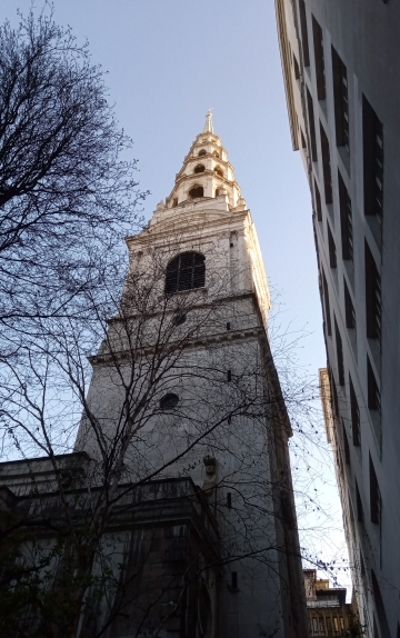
{"type": "Point", "coordinates": [168, 62]}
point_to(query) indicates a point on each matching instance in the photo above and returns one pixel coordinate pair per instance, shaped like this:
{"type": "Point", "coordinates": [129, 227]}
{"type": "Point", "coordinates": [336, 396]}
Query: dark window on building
{"type": "Point", "coordinates": [332, 249]}
{"type": "Point", "coordinates": [296, 68]}
{"type": "Point", "coordinates": [346, 445]}
{"type": "Point", "coordinates": [321, 626]}
{"type": "Point", "coordinates": [346, 223]}
{"type": "Point", "coordinates": [202, 152]}
{"type": "Point", "coordinates": [326, 164]}
{"type": "Point", "coordinates": [319, 59]}
{"type": "Point", "coordinates": [311, 126]}
{"type": "Point", "coordinates": [229, 375]}
{"type": "Point", "coordinates": [339, 354]}
{"type": "Point", "coordinates": [184, 272]}
{"type": "Point", "coordinates": [351, 515]}
{"type": "Point", "coordinates": [196, 191]}
{"type": "Point", "coordinates": [341, 98]}
{"type": "Point", "coordinates": [360, 511]}
{"type": "Point", "coordinates": [376, 631]}
{"type": "Point", "coordinates": [287, 512]}
{"type": "Point", "coordinates": [362, 566]}
{"type": "Point", "coordinates": [339, 461]}
{"type": "Point", "coordinates": [349, 308]}
{"type": "Point", "coordinates": [325, 293]}
{"type": "Point", "coordinates": [355, 415]}
{"type": "Point", "coordinates": [373, 161]}
{"type": "Point", "coordinates": [303, 139]}
{"type": "Point", "coordinates": [180, 319]}
{"type": "Point", "coordinates": [374, 495]}
{"type": "Point", "coordinates": [372, 295]}
{"type": "Point", "coordinates": [229, 500]}
{"type": "Point", "coordinates": [318, 205]}
{"type": "Point", "coordinates": [200, 168]}
{"type": "Point", "coordinates": [304, 33]}
{"type": "Point", "coordinates": [335, 402]}
{"type": "Point", "coordinates": [169, 401]}
{"type": "Point", "coordinates": [228, 325]}
{"type": "Point", "coordinates": [380, 607]}
{"type": "Point", "coordinates": [374, 395]}
{"type": "Point", "coordinates": [234, 581]}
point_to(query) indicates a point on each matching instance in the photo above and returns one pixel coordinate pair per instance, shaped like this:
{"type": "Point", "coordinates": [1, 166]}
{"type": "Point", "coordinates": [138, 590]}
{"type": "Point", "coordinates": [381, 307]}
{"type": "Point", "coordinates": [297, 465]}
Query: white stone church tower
{"type": "Point", "coordinates": [184, 393]}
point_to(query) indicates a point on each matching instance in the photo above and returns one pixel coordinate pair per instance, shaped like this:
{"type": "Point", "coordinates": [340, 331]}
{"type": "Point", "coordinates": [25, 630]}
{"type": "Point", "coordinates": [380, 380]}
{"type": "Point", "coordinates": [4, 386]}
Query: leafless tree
{"type": "Point", "coordinates": [179, 414]}
{"type": "Point", "coordinates": [67, 187]}
{"type": "Point", "coordinates": [73, 562]}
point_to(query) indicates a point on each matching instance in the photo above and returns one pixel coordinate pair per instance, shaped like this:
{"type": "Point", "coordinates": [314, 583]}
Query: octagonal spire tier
{"type": "Point", "coordinates": [206, 173]}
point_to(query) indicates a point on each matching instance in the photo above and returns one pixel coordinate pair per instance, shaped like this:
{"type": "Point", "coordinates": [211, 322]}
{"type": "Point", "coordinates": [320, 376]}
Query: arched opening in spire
{"type": "Point", "coordinates": [202, 152]}
{"type": "Point", "coordinates": [196, 191]}
{"type": "Point", "coordinates": [219, 171]}
{"type": "Point", "coordinates": [216, 154]}
{"type": "Point", "coordinates": [200, 168]}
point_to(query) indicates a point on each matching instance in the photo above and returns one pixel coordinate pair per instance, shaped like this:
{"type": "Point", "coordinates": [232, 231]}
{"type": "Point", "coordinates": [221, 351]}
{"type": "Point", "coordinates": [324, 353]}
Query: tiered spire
{"type": "Point", "coordinates": [206, 173]}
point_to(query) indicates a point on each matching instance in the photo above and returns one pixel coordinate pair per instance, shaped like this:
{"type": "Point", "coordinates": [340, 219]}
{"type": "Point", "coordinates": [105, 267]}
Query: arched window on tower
{"type": "Point", "coordinates": [219, 171]}
{"type": "Point", "coordinates": [216, 154]}
{"type": "Point", "coordinates": [185, 272]}
{"type": "Point", "coordinates": [196, 191]}
{"type": "Point", "coordinates": [202, 152]}
{"type": "Point", "coordinates": [200, 168]}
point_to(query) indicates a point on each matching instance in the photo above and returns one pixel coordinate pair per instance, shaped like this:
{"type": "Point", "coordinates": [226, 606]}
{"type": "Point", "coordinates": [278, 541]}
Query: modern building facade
{"type": "Point", "coordinates": [341, 84]}
{"type": "Point", "coordinates": [184, 435]}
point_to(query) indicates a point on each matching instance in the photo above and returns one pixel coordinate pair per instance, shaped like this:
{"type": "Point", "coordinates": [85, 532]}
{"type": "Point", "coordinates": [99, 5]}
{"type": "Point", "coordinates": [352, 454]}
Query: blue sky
{"type": "Point", "coordinates": [168, 62]}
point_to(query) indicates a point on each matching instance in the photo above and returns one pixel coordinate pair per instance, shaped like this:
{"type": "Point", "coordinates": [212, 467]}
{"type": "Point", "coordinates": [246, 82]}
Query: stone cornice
{"type": "Point", "coordinates": [188, 219]}
{"type": "Point", "coordinates": [222, 338]}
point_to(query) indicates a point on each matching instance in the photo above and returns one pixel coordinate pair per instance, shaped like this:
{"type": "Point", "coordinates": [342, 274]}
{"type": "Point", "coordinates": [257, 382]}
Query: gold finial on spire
{"type": "Point", "coordinates": [208, 126]}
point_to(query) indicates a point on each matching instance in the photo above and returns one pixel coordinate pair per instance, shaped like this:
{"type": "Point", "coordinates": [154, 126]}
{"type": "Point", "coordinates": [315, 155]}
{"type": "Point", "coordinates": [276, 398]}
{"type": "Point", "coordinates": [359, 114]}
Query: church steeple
{"type": "Point", "coordinates": [206, 173]}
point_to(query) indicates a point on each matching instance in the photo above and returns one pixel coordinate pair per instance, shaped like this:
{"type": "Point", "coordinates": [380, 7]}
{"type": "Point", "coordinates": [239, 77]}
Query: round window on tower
{"type": "Point", "coordinates": [169, 402]}
{"type": "Point", "coordinates": [180, 319]}
{"type": "Point", "coordinates": [200, 168]}
{"type": "Point", "coordinates": [202, 152]}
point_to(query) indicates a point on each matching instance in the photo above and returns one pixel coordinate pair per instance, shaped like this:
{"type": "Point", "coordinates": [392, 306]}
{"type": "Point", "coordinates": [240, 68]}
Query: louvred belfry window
{"type": "Point", "coordinates": [185, 272]}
